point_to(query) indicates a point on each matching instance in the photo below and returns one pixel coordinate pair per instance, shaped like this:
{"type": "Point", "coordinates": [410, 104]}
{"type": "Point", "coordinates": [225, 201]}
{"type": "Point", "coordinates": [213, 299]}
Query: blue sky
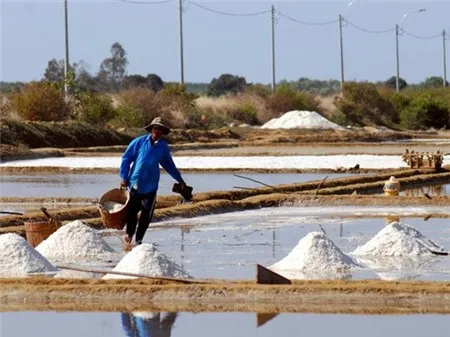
{"type": "Point", "coordinates": [32, 33]}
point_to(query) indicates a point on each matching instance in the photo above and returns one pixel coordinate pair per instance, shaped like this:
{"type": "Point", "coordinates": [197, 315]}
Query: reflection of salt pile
{"type": "Point", "coordinates": [17, 257]}
{"type": "Point", "coordinates": [302, 120]}
{"type": "Point", "coordinates": [398, 239]}
{"type": "Point", "coordinates": [393, 268]}
{"type": "Point", "coordinates": [145, 259]}
{"type": "Point", "coordinates": [112, 206]}
{"type": "Point", "coordinates": [315, 254]}
{"type": "Point", "coordinates": [74, 240]}
{"type": "Point", "coordinates": [75, 274]}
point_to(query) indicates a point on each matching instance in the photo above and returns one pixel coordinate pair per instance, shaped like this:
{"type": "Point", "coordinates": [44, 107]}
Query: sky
{"type": "Point", "coordinates": [32, 33]}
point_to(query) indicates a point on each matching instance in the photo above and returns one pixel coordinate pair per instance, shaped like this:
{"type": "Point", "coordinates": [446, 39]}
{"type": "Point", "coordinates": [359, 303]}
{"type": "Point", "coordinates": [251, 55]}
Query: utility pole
{"type": "Point", "coordinates": [342, 52]}
{"type": "Point", "coordinates": [180, 17]}
{"type": "Point", "coordinates": [444, 78]}
{"type": "Point", "coordinates": [397, 77]}
{"type": "Point", "coordinates": [273, 47]}
{"type": "Point", "coordinates": [66, 47]}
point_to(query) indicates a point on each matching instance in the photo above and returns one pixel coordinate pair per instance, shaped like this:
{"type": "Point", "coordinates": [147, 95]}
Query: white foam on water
{"type": "Point", "coordinates": [19, 258]}
{"type": "Point", "coordinates": [301, 120]}
{"type": "Point", "coordinates": [145, 259]}
{"type": "Point", "coordinates": [315, 254]}
{"type": "Point", "coordinates": [397, 239]}
{"type": "Point", "coordinates": [75, 240]}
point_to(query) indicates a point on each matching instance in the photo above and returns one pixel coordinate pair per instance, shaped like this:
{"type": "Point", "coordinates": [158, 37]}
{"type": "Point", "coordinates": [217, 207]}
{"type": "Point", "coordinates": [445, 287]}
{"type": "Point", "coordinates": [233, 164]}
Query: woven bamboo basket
{"type": "Point", "coordinates": [38, 231]}
{"type": "Point", "coordinates": [118, 219]}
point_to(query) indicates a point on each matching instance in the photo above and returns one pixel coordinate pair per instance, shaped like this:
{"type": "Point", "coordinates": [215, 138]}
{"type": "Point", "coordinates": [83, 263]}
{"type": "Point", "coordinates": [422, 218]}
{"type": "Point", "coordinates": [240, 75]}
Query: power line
{"type": "Point", "coordinates": [305, 22]}
{"type": "Point", "coordinates": [228, 13]}
{"type": "Point", "coordinates": [135, 2]}
{"type": "Point", "coordinates": [421, 37]}
{"type": "Point", "coordinates": [369, 30]}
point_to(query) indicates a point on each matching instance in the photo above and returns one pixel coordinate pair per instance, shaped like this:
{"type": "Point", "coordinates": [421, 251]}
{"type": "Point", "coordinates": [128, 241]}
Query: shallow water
{"type": "Point", "coordinates": [94, 185]}
{"type": "Point", "coordinates": [230, 245]}
{"type": "Point", "coordinates": [432, 190]}
{"type": "Point", "coordinates": [115, 324]}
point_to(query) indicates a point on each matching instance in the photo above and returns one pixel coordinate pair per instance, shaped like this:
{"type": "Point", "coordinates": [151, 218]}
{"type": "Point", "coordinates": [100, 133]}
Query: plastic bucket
{"type": "Point", "coordinates": [118, 219]}
{"type": "Point", "coordinates": [36, 232]}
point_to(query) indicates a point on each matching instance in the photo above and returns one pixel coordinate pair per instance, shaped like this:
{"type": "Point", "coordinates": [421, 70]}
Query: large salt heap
{"type": "Point", "coordinates": [75, 240]}
{"type": "Point", "coordinates": [314, 254]}
{"type": "Point", "coordinates": [145, 259]}
{"type": "Point", "coordinates": [397, 239]}
{"type": "Point", "coordinates": [301, 120]}
{"type": "Point", "coordinates": [18, 258]}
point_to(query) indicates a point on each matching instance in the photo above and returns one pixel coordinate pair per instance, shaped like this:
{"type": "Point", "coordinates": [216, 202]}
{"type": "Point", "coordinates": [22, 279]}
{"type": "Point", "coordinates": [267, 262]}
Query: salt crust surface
{"type": "Point", "coordinates": [315, 252]}
{"type": "Point", "coordinates": [112, 206]}
{"type": "Point", "coordinates": [397, 239]}
{"type": "Point", "coordinates": [18, 257]}
{"type": "Point", "coordinates": [301, 119]}
{"type": "Point", "coordinates": [75, 240]}
{"type": "Point", "coordinates": [147, 260]}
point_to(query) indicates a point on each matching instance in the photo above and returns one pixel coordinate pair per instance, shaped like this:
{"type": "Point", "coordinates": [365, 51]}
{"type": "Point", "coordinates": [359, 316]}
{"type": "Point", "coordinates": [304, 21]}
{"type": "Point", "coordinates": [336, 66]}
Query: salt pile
{"type": "Point", "coordinates": [315, 252]}
{"type": "Point", "coordinates": [18, 258]}
{"type": "Point", "coordinates": [145, 259]}
{"type": "Point", "coordinates": [112, 206]}
{"type": "Point", "coordinates": [74, 240]}
{"type": "Point", "coordinates": [398, 239]}
{"type": "Point", "coordinates": [301, 120]}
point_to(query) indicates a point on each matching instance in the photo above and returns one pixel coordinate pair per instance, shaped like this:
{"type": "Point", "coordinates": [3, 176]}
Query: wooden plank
{"type": "Point", "coordinates": [100, 271]}
{"type": "Point", "coordinates": [266, 276]}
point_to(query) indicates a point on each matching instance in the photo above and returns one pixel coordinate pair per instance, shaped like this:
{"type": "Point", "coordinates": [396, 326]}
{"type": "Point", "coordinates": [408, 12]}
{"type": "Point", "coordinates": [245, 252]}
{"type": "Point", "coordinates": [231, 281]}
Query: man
{"type": "Point", "coordinates": [145, 153]}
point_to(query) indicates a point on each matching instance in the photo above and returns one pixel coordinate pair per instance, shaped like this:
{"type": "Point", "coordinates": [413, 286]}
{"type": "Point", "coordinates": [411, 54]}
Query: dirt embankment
{"type": "Point", "coordinates": [335, 192]}
{"type": "Point", "coordinates": [56, 136]}
{"type": "Point", "coordinates": [330, 296]}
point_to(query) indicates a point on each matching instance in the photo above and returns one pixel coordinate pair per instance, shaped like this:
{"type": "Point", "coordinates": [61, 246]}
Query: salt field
{"type": "Point", "coordinates": [262, 162]}
{"type": "Point", "coordinates": [94, 185]}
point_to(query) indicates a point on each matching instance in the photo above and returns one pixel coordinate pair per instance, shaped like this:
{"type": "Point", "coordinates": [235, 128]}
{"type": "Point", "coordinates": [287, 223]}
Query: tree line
{"type": "Point", "coordinates": [112, 76]}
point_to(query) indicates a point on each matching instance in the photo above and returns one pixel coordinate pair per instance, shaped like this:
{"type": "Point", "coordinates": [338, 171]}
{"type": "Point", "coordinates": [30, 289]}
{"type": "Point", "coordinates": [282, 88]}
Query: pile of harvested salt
{"type": "Point", "coordinates": [301, 120]}
{"type": "Point", "coordinates": [17, 257]}
{"type": "Point", "coordinates": [112, 206]}
{"type": "Point", "coordinates": [145, 259]}
{"type": "Point", "coordinates": [397, 239]}
{"type": "Point", "coordinates": [315, 252]}
{"type": "Point", "coordinates": [75, 240]}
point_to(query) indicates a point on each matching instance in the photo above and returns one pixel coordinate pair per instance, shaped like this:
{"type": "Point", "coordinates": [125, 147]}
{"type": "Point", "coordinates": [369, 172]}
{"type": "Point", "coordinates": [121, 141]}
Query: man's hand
{"type": "Point", "coordinates": [123, 184]}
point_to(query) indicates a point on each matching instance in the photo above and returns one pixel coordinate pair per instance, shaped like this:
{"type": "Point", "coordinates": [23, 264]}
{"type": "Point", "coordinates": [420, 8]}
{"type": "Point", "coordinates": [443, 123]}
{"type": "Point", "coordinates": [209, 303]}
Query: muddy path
{"type": "Point", "coordinates": [330, 296]}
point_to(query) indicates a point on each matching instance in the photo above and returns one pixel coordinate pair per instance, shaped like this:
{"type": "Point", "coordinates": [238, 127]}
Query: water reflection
{"type": "Point", "coordinates": [146, 324]}
{"type": "Point", "coordinates": [432, 190]}
{"type": "Point", "coordinates": [399, 268]}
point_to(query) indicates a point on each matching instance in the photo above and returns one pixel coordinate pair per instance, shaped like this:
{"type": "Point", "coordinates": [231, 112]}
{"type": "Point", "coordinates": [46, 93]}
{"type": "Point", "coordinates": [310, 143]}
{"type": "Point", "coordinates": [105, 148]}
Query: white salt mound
{"type": "Point", "coordinates": [18, 258]}
{"type": "Point", "coordinates": [145, 259]}
{"type": "Point", "coordinates": [398, 239]}
{"type": "Point", "coordinates": [301, 120]}
{"type": "Point", "coordinates": [315, 252]}
{"type": "Point", "coordinates": [74, 240]}
{"type": "Point", "coordinates": [112, 206]}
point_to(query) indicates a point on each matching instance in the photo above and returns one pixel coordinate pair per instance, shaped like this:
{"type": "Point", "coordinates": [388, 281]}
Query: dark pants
{"type": "Point", "coordinates": [144, 203]}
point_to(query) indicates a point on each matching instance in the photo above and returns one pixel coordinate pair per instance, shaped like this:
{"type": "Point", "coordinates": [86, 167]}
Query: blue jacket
{"type": "Point", "coordinates": [146, 159]}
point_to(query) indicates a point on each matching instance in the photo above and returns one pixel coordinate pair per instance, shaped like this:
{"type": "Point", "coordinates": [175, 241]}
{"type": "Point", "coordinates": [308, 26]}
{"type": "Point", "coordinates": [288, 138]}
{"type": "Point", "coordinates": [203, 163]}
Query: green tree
{"type": "Point", "coordinates": [391, 83]}
{"type": "Point", "coordinates": [151, 81]}
{"type": "Point", "coordinates": [433, 82]}
{"type": "Point", "coordinates": [55, 70]}
{"type": "Point", "coordinates": [226, 83]}
{"type": "Point", "coordinates": [113, 69]}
